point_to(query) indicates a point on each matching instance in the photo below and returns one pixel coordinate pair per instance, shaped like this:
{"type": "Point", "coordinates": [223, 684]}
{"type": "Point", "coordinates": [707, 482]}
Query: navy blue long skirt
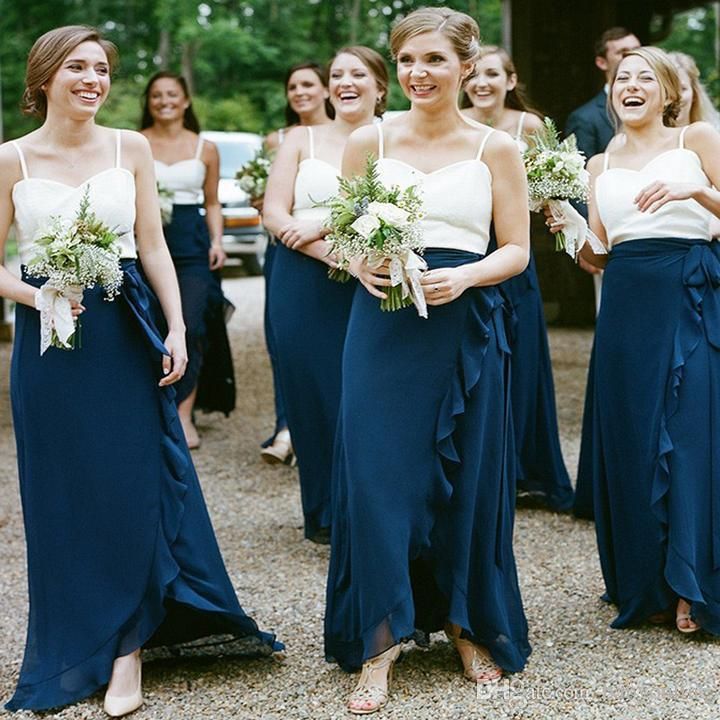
{"type": "Point", "coordinates": [656, 459]}
{"type": "Point", "coordinates": [120, 549]}
{"type": "Point", "coordinates": [423, 493]}
{"type": "Point", "coordinates": [308, 319]}
{"type": "Point", "coordinates": [189, 244]}
{"type": "Point", "coordinates": [280, 414]}
{"type": "Point", "coordinates": [583, 504]}
{"type": "Point", "coordinates": [540, 469]}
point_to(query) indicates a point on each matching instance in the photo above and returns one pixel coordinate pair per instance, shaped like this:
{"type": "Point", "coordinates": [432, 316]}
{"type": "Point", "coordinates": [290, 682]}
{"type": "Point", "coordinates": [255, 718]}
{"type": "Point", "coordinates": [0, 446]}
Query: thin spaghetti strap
{"type": "Point", "coordinates": [381, 141]}
{"type": "Point", "coordinates": [521, 124]}
{"type": "Point", "coordinates": [681, 144]}
{"type": "Point", "coordinates": [21, 157]}
{"type": "Point", "coordinates": [118, 143]}
{"type": "Point", "coordinates": [198, 150]}
{"type": "Point", "coordinates": [606, 161]}
{"type": "Point", "coordinates": [311, 140]}
{"type": "Point", "coordinates": [482, 144]}
{"type": "Point", "coordinates": [281, 136]}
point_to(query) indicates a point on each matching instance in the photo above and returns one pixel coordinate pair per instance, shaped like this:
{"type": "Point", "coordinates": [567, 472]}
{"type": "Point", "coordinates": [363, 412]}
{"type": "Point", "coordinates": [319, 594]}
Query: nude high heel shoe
{"type": "Point", "coordinates": [478, 666]}
{"type": "Point", "coordinates": [368, 697]}
{"type": "Point", "coordinates": [117, 706]}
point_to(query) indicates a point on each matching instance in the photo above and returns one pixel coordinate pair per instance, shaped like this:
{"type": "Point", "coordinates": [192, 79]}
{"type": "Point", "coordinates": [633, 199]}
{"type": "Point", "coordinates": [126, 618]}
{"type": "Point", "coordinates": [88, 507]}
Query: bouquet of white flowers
{"type": "Point", "coordinates": [74, 256]}
{"type": "Point", "coordinates": [165, 197]}
{"type": "Point", "coordinates": [252, 176]}
{"type": "Point", "coordinates": [380, 225]}
{"type": "Point", "coordinates": [556, 173]}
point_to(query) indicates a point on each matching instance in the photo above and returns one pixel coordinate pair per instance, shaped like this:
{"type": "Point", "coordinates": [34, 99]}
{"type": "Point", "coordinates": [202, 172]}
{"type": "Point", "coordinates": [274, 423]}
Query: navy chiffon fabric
{"type": "Point", "coordinates": [120, 549]}
{"type": "Point", "coordinates": [189, 243]}
{"type": "Point", "coordinates": [308, 320]}
{"type": "Point", "coordinates": [540, 469]}
{"type": "Point", "coordinates": [656, 411]}
{"type": "Point", "coordinates": [423, 493]}
{"type": "Point", "coordinates": [583, 504]}
{"type": "Point", "coordinates": [280, 414]}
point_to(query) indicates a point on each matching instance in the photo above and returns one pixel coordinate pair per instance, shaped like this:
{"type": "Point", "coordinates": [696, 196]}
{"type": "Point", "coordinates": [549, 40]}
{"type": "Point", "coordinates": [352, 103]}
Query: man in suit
{"type": "Point", "coordinates": [590, 123]}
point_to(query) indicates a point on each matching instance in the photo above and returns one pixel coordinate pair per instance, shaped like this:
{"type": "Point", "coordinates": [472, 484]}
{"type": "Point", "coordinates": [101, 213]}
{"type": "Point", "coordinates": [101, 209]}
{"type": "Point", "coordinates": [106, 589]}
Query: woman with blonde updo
{"type": "Point", "coordinates": [423, 496]}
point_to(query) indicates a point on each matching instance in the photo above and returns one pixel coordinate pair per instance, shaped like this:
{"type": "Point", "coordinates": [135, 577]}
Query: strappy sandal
{"type": "Point", "coordinates": [481, 669]}
{"type": "Point", "coordinates": [685, 617]}
{"type": "Point", "coordinates": [367, 697]}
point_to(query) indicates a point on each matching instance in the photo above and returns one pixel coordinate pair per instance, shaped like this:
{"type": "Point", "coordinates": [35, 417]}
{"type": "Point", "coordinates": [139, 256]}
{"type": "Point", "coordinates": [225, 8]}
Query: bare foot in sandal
{"type": "Point", "coordinates": [683, 621]}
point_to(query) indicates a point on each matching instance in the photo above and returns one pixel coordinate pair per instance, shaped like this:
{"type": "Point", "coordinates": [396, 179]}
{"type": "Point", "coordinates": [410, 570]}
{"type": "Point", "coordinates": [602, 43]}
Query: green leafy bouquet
{"type": "Point", "coordinates": [74, 255]}
{"type": "Point", "coordinates": [556, 174]}
{"type": "Point", "coordinates": [165, 198]}
{"type": "Point", "coordinates": [382, 226]}
{"type": "Point", "coordinates": [252, 176]}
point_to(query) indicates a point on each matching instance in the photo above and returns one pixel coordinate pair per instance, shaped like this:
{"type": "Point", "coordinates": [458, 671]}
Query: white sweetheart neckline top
{"type": "Point", "coordinates": [456, 198]}
{"type": "Point", "coordinates": [37, 200]}
{"type": "Point", "coordinates": [184, 178]}
{"type": "Point", "coordinates": [616, 189]}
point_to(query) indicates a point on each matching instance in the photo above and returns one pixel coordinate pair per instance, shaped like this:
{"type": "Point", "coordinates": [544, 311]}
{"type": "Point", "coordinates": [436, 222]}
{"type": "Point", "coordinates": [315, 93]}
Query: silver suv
{"type": "Point", "coordinates": [244, 236]}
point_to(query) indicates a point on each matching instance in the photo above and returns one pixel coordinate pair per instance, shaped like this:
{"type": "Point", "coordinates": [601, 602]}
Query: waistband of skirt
{"type": "Point", "coordinates": [651, 246]}
{"type": "Point", "coordinates": [450, 255]}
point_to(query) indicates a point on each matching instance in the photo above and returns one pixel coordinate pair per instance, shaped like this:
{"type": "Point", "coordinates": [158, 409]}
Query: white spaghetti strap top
{"type": "Point", "coordinates": [616, 189]}
{"type": "Point", "coordinates": [38, 200]}
{"type": "Point", "coordinates": [457, 198]}
{"type": "Point", "coordinates": [185, 178]}
{"type": "Point", "coordinates": [316, 181]}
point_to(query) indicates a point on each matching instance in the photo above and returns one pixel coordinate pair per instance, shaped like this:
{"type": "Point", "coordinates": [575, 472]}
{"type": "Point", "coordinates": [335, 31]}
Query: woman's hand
{"type": "Point", "coordinates": [322, 251]}
{"type": "Point", "coordinates": [217, 256]}
{"type": "Point", "coordinates": [298, 233]}
{"type": "Point", "coordinates": [654, 196]}
{"type": "Point", "coordinates": [371, 278]}
{"type": "Point", "coordinates": [77, 309]}
{"type": "Point", "coordinates": [553, 224]}
{"type": "Point", "coordinates": [443, 285]}
{"type": "Point", "coordinates": [174, 364]}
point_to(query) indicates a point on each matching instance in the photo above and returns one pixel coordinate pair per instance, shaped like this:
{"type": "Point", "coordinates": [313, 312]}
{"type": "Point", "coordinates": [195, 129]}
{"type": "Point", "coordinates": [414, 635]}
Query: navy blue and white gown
{"type": "Point", "coordinates": [189, 244]}
{"type": "Point", "coordinates": [308, 319]}
{"type": "Point", "coordinates": [656, 409]}
{"type": "Point", "coordinates": [120, 550]}
{"type": "Point", "coordinates": [540, 469]}
{"type": "Point", "coordinates": [423, 493]}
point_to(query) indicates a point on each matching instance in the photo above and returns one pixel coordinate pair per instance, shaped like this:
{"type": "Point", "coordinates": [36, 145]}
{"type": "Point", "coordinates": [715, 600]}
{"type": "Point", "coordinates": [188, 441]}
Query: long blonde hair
{"type": "Point", "coordinates": [701, 107]}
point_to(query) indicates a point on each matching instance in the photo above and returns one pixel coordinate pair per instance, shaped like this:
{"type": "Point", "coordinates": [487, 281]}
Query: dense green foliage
{"type": "Point", "coordinates": [235, 52]}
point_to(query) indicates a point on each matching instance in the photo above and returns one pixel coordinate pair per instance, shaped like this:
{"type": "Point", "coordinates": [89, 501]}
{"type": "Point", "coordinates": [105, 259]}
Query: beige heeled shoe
{"type": "Point", "coordinates": [117, 706]}
{"type": "Point", "coordinates": [368, 697]}
{"type": "Point", "coordinates": [478, 666]}
{"type": "Point", "coordinates": [281, 450]}
{"type": "Point", "coordinates": [683, 620]}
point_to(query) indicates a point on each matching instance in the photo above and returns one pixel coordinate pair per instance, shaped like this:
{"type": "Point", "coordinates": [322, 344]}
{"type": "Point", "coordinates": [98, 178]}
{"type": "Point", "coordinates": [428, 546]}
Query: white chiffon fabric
{"type": "Point", "coordinates": [316, 182]}
{"type": "Point", "coordinates": [185, 178]}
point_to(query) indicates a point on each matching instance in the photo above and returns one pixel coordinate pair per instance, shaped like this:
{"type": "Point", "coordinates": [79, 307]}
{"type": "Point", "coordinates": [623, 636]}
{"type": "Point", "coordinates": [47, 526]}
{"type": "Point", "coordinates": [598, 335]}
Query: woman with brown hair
{"type": "Point", "coordinates": [120, 550]}
{"type": "Point", "coordinates": [308, 311]}
{"type": "Point", "coordinates": [497, 99]}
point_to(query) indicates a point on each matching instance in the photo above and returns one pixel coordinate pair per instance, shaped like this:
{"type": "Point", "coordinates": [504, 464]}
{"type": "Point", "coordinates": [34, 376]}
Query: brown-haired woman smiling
{"type": "Point", "coordinates": [120, 549]}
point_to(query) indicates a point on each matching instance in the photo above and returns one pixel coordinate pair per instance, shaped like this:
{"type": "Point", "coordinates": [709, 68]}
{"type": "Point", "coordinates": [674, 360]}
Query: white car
{"type": "Point", "coordinates": [244, 235]}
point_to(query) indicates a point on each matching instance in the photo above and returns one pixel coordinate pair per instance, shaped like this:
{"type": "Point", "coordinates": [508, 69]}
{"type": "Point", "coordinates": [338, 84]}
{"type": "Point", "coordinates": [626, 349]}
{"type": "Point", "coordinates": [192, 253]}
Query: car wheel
{"type": "Point", "coordinates": [253, 264]}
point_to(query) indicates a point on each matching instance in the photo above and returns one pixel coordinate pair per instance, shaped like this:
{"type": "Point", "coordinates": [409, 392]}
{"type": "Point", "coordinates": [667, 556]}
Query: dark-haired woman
{"type": "Point", "coordinates": [307, 104]}
{"type": "Point", "coordinates": [121, 553]}
{"type": "Point", "coordinates": [189, 168]}
{"type": "Point", "coordinates": [498, 100]}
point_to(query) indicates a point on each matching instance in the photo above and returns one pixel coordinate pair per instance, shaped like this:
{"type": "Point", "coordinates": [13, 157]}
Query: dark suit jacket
{"type": "Point", "coordinates": [591, 125]}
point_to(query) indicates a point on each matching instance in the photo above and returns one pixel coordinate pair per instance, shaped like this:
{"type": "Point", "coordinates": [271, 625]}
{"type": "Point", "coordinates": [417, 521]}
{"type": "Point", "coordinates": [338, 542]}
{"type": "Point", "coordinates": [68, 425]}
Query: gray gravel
{"type": "Point", "coordinates": [580, 668]}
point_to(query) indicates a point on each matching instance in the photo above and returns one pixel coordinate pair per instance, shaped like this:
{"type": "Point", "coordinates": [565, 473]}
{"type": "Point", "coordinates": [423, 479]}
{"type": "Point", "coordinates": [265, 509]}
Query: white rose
{"type": "Point", "coordinates": [389, 213]}
{"type": "Point", "coordinates": [366, 225]}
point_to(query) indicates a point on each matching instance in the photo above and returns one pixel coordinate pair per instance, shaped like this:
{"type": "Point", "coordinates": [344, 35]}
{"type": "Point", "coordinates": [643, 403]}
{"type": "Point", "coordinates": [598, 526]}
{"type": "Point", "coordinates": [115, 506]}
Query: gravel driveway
{"type": "Point", "coordinates": [579, 668]}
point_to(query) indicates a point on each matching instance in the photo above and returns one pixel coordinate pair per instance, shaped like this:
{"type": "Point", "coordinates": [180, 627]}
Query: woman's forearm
{"type": "Point", "coordinates": [158, 267]}
{"type": "Point", "coordinates": [498, 266]}
{"type": "Point", "coordinates": [12, 288]}
{"type": "Point", "coordinates": [214, 219]}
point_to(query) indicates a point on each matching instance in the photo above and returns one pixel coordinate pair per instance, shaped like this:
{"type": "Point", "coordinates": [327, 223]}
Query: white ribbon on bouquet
{"type": "Point", "coordinates": [575, 229]}
{"type": "Point", "coordinates": [55, 306]}
{"type": "Point", "coordinates": [406, 270]}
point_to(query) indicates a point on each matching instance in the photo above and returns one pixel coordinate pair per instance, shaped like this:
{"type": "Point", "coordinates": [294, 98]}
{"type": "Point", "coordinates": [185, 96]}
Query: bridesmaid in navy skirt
{"type": "Point", "coordinates": [656, 368]}
{"type": "Point", "coordinates": [307, 104]}
{"type": "Point", "coordinates": [308, 311]}
{"type": "Point", "coordinates": [495, 98]}
{"type": "Point", "coordinates": [120, 550]}
{"type": "Point", "coordinates": [423, 490]}
{"type": "Point", "coordinates": [188, 167]}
